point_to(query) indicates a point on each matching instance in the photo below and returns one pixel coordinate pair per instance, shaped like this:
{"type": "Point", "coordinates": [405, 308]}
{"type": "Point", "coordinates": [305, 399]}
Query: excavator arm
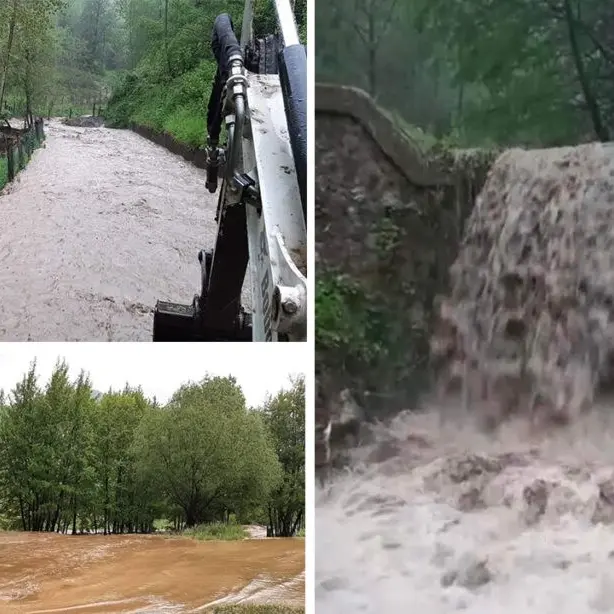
{"type": "Point", "coordinates": [258, 106]}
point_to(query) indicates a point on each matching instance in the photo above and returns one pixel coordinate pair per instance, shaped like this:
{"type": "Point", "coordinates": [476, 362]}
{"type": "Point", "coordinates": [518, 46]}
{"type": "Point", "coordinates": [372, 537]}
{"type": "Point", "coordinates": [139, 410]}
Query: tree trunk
{"type": "Point", "coordinates": [9, 47]}
{"type": "Point", "coordinates": [589, 95]}
{"type": "Point", "coordinates": [168, 57]}
{"type": "Point", "coordinates": [372, 68]}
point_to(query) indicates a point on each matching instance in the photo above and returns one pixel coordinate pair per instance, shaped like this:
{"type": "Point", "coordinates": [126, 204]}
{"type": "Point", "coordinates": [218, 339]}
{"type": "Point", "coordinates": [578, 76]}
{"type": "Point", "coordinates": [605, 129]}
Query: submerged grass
{"type": "Point", "coordinates": [258, 609]}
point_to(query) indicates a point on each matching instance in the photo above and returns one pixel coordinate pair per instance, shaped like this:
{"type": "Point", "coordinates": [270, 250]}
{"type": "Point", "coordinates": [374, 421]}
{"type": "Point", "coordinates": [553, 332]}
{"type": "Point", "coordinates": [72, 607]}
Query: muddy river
{"type": "Point", "coordinates": [146, 574]}
{"type": "Point", "coordinates": [100, 225]}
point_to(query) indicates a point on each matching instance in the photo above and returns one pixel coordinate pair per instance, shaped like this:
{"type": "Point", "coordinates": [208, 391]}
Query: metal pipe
{"type": "Point", "coordinates": [287, 23]}
{"type": "Point", "coordinates": [237, 135]}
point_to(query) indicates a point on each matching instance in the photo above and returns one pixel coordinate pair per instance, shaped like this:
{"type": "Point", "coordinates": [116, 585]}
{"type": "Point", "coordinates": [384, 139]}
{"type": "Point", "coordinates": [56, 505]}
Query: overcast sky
{"type": "Point", "coordinates": [260, 368]}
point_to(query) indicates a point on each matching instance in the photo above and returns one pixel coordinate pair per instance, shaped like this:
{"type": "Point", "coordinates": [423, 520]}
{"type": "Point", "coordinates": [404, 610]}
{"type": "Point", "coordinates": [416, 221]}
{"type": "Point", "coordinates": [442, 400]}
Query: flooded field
{"type": "Point", "coordinates": [44, 574]}
{"type": "Point", "coordinates": [100, 225]}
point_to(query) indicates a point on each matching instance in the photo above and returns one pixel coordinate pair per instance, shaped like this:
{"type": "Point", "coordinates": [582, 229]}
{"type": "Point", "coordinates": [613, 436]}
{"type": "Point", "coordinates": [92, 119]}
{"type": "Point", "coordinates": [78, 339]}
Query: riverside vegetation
{"type": "Point", "coordinates": [150, 60]}
{"type": "Point", "coordinates": [73, 460]}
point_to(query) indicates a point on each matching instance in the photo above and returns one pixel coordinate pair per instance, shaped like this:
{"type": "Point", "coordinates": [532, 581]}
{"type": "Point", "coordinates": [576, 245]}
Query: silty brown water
{"type": "Point", "coordinates": [148, 574]}
{"type": "Point", "coordinates": [100, 225]}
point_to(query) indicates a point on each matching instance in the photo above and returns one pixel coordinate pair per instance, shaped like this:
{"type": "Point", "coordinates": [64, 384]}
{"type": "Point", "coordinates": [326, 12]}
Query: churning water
{"type": "Point", "coordinates": [441, 517]}
{"type": "Point", "coordinates": [461, 521]}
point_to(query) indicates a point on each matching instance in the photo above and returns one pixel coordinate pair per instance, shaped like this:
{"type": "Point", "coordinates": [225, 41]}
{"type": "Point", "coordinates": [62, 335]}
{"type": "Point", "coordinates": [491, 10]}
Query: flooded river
{"type": "Point", "coordinates": [44, 574]}
{"type": "Point", "coordinates": [100, 225]}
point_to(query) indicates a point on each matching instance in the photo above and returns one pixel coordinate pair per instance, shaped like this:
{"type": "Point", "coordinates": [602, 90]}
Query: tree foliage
{"type": "Point", "coordinates": [154, 56]}
{"type": "Point", "coordinates": [73, 460]}
{"type": "Point", "coordinates": [172, 65]}
{"type": "Point", "coordinates": [284, 414]}
{"type": "Point", "coordinates": [534, 72]}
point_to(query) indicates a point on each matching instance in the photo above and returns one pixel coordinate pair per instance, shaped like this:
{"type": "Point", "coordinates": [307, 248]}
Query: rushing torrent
{"type": "Point", "coordinates": [528, 324]}
{"type": "Point", "coordinates": [440, 515]}
{"type": "Point", "coordinates": [99, 226]}
{"type": "Point", "coordinates": [460, 521]}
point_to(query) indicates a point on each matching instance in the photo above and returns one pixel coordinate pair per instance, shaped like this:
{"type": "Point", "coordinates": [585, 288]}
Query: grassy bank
{"type": "Point", "coordinates": [257, 609]}
{"type": "Point", "coordinates": [4, 179]}
{"type": "Point", "coordinates": [177, 106]}
{"type": "Point", "coordinates": [217, 531]}
{"type": "Point", "coordinates": [168, 90]}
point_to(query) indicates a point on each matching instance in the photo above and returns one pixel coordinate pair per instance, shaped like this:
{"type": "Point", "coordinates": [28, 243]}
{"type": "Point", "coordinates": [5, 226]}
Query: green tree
{"type": "Point", "coordinates": [207, 451]}
{"type": "Point", "coordinates": [285, 417]}
{"type": "Point", "coordinates": [480, 71]}
{"type": "Point", "coordinates": [73, 461]}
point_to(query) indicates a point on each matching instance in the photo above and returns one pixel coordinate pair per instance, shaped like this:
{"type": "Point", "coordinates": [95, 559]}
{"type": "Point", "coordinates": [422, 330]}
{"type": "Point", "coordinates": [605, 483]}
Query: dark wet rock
{"type": "Point", "coordinates": [471, 573]}
{"type": "Point", "coordinates": [468, 467]}
{"type": "Point", "coordinates": [536, 498]}
{"type": "Point", "coordinates": [346, 421]}
{"type": "Point", "coordinates": [86, 121]}
{"type": "Point", "coordinates": [604, 508]}
{"type": "Point", "coordinates": [340, 427]}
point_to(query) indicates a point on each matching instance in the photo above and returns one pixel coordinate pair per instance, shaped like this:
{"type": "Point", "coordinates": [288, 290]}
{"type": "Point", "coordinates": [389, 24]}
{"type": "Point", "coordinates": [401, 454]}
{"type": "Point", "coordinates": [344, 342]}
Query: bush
{"type": "Point", "coordinates": [218, 531]}
{"type": "Point", "coordinates": [346, 320]}
{"type": "Point", "coordinates": [4, 172]}
{"type": "Point", "coordinates": [178, 105]}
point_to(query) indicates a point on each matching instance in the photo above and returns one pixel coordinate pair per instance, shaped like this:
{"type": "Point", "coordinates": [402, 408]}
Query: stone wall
{"type": "Point", "coordinates": [389, 217]}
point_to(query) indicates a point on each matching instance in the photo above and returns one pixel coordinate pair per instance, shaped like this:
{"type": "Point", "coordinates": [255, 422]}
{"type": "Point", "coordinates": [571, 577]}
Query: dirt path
{"type": "Point", "coordinates": [44, 574]}
{"type": "Point", "coordinates": [100, 225]}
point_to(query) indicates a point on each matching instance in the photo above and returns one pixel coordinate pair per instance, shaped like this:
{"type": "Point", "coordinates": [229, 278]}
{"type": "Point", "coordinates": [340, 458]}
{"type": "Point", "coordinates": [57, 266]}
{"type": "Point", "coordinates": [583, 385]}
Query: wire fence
{"type": "Point", "coordinates": [19, 151]}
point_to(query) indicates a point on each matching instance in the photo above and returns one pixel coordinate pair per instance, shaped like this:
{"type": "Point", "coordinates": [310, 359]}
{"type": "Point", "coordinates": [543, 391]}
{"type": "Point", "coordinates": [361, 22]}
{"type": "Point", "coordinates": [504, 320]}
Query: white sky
{"type": "Point", "coordinates": [260, 368]}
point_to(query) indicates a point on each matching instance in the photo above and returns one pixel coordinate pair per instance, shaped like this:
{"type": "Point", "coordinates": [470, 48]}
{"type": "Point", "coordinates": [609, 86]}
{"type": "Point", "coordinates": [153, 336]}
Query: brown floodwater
{"type": "Point", "coordinates": [100, 225]}
{"type": "Point", "coordinates": [44, 574]}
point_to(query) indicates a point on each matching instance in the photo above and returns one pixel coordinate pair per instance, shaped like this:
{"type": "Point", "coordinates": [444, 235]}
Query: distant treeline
{"type": "Point", "coordinates": [478, 72]}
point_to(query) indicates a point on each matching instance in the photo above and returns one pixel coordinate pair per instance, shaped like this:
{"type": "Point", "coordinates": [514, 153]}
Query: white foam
{"type": "Point", "coordinates": [387, 535]}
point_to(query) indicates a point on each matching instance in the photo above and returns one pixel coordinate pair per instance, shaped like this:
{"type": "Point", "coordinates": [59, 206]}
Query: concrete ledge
{"type": "Point", "coordinates": [197, 157]}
